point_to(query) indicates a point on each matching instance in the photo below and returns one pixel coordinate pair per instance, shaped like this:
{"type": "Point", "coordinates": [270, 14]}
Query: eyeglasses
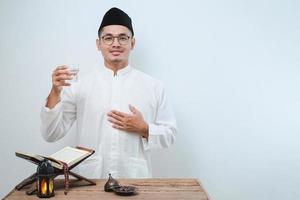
{"type": "Point", "coordinates": [109, 39]}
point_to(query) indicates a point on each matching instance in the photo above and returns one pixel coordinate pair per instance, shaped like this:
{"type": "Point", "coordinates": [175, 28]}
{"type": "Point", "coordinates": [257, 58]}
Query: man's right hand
{"type": "Point", "coordinates": [59, 77]}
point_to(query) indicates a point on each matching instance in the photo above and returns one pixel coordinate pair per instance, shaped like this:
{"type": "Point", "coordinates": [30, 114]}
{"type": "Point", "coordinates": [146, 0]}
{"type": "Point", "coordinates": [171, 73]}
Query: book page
{"type": "Point", "coordinates": [29, 156]}
{"type": "Point", "coordinates": [69, 155]}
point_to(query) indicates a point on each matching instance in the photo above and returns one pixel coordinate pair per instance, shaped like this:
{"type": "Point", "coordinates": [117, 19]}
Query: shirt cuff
{"type": "Point", "coordinates": [148, 143]}
{"type": "Point", "coordinates": [54, 110]}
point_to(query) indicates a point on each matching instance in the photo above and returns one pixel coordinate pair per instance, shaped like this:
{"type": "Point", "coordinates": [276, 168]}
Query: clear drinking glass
{"type": "Point", "coordinates": [74, 74]}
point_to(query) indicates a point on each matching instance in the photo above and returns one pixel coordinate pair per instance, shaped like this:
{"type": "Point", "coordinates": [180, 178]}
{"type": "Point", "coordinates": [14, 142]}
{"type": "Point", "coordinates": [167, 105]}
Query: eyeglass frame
{"type": "Point", "coordinates": [118, 38]}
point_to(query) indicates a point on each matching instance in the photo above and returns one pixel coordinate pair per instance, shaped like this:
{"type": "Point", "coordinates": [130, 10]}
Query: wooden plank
{"type": "Point", "coordinates": [152, 189]}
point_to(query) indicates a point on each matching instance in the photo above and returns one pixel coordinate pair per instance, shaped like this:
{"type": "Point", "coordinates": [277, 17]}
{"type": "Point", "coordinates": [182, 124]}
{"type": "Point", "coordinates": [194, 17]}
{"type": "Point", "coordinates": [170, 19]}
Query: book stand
{"type": "Point", "coordinates": [65, 171]}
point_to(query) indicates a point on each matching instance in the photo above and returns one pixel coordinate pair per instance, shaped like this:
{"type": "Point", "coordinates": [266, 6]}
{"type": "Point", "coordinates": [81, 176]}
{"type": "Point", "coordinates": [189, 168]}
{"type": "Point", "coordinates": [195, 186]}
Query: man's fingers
{"type": "Point", "coordinates": [61, 83]}
{"type": "Point", "coordinates": [61, 67]}
{"type": "Point", "coordinates": [118, 127]}
{"type": "Point", "coordinates": [121, 114]}
{"type": "Point", "coordinates": [116, 122]}
{"type": "Point", "coordinates": [61, 72]}
{"type": "Point", "coordinates": [133, 109]}
{"type": "Point", "coordinates": [117, 117]}
{"type": "Point", "coordinates": [66, 84]}
{"type": "Point", "coordinates": [62, 77]}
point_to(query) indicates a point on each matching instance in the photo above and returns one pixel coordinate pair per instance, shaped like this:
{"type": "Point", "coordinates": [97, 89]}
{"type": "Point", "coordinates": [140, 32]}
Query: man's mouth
{"type": "Point", "coordinates": [115, 53]}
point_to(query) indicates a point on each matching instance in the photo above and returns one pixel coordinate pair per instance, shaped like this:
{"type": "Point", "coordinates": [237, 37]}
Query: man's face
{"type": "Point", "coordinates": [115, 44]}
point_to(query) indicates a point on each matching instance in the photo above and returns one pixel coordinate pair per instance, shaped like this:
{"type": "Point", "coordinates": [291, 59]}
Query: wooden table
{"type": "Point", "coordinates": [156, 189]}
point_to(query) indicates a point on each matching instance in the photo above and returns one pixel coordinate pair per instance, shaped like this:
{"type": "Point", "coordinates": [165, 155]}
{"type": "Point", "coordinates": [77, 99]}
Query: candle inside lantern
{"type": "Point", "coordinates": [44, 186]}
{"type": "Point", "coordinates": [45, 176]}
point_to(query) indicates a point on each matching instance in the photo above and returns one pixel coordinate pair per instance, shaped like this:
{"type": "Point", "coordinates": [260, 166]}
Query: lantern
{"type": "Point", "coordinates": [45, 179]}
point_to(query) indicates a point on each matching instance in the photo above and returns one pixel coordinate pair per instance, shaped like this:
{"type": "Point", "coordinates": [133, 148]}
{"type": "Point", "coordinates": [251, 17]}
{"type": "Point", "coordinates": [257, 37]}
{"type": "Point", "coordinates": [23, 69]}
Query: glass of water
{"type": "Point", "coordinates": [74, 74]}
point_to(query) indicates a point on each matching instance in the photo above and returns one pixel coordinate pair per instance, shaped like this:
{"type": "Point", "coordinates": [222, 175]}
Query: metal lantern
{"type": "Point", "coordinates": [45, 180]}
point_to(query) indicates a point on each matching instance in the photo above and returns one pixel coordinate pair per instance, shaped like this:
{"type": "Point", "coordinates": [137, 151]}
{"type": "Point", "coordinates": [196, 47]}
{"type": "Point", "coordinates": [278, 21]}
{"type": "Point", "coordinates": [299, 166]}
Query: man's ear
{"type": "Point", "coordinates": [132, 43]}
{"type": "Point", "coordinates": [98, 44]}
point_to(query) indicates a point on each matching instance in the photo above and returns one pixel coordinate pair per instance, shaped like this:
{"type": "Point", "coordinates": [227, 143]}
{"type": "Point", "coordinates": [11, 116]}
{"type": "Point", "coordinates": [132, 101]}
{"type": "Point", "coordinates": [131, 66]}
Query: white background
{"type": "Point", "coordinates": [231, 70]}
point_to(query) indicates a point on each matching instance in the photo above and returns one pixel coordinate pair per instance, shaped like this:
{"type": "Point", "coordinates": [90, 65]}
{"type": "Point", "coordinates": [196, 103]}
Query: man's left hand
{"type": "Point", "coordinates": [129, 122]}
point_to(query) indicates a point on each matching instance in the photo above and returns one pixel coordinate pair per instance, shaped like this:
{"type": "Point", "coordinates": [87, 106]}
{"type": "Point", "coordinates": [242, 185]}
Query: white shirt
{"type": "Point", "coordinates": [123, 154]}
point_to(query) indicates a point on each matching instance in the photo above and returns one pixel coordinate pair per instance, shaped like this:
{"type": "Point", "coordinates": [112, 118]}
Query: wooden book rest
{"type": "Point", "coordinates": [33, 178]}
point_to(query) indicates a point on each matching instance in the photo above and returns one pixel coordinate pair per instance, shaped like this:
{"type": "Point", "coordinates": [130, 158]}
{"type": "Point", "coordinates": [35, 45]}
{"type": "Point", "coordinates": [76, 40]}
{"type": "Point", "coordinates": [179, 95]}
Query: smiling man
{"type": "Point", "coordinates": [119, 111]}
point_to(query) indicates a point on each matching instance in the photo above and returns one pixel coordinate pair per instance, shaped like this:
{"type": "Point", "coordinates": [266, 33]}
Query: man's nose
{"type": "Point", "coordinates": [115, 42]}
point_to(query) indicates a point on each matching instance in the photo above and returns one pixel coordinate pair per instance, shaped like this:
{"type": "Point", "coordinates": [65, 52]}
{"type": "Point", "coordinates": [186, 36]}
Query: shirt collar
{"type": "Point", "coordinates": [120, 72]}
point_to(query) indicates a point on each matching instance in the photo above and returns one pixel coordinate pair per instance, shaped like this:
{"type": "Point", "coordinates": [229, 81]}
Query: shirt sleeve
{"type": "Point", "coordinates": [163, 130]}
{"type": "Point", "coordinates": [56, 122]}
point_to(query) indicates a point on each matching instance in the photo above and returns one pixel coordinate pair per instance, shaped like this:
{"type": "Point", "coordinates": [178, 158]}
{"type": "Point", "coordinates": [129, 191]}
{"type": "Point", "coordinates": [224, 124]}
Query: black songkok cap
{"type": "Point", "coordinates": [115, 16]}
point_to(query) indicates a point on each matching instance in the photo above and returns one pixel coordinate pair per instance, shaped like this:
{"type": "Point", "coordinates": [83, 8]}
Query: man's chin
{"type": "Point", "coordinates": [116, 60]}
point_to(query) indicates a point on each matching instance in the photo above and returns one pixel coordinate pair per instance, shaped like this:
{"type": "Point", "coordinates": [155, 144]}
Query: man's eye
{"type": "Point", "coordinates": [123, 38]}
{"type": "Point", "coordinates": [108, 38]}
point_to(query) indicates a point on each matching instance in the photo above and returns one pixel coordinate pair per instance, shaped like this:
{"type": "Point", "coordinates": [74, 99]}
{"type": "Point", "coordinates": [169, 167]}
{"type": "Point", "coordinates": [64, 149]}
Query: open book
{"type": "Point", "coordinates": [69, 155]}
